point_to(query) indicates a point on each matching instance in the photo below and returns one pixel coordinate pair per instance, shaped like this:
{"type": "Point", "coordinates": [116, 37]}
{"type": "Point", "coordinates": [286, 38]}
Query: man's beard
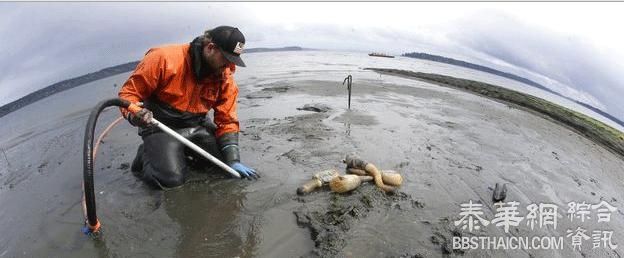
{"type": "Point", "coordinates": [211, 69]}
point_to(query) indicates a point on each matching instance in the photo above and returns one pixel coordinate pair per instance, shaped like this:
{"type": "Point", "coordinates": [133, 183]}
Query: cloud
{"type": "Point", "coordinates": [576, 67]}
{"type": "Point", "coordinates": [43, 43]}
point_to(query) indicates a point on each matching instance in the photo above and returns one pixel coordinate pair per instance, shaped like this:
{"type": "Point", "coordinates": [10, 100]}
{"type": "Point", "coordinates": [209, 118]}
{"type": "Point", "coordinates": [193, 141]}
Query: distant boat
{"type": "Point", "coordinates": [380, 55]}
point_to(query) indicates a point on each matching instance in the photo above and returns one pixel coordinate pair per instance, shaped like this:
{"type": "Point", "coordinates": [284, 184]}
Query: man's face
{"type": "Point", "coordinates": [214, 58]}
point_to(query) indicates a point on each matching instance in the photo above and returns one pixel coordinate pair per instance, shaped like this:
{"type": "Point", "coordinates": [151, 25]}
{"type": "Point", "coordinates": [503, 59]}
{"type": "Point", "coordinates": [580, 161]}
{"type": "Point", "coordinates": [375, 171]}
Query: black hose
{"type": "Point", "coordinates": [89, 192]}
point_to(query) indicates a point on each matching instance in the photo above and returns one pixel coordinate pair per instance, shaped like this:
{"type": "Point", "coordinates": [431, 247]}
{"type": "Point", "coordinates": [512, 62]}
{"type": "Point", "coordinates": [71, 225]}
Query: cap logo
{"type": "Point", "coordinates": [239, 48]}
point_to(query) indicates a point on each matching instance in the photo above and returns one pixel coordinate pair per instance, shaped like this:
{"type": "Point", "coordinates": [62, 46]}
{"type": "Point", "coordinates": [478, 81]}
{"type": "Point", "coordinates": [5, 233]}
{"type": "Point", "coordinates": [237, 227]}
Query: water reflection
{"type": "Point", "coordinates": [209, 215]}
{"type": "Point", "coordinates": [347, 124]}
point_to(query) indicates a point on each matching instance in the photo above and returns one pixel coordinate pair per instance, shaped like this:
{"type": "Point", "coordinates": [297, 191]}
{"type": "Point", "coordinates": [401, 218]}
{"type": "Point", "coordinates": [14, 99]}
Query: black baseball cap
{"type": "Point", "coordinates": [230, 42]}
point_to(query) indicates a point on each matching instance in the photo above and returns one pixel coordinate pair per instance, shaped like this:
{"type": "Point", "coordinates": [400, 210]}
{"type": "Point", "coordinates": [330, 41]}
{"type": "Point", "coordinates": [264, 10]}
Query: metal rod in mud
{"type": "Point", "coordinates": [348, 80]}
{"type": "Point", "coordinates": [195, 148]}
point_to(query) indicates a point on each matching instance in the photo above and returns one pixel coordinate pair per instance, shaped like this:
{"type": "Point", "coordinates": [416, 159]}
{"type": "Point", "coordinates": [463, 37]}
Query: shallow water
{"type": "Point", "coordinates": [449, 145]}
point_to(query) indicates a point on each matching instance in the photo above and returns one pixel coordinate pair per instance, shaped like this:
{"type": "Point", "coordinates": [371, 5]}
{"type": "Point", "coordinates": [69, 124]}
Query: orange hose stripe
{"type": "Point", "coordinates": [103, 134]}
{"type": "Point", "coordinates": [96, 227]}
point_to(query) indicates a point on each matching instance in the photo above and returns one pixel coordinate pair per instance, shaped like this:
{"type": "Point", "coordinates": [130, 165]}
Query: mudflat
{"type": "Point", "coordinates": [451, 147]}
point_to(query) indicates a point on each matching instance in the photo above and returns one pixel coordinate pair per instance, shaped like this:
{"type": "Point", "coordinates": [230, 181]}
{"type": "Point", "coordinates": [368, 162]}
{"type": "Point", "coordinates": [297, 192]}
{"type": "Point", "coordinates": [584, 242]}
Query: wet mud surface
{"type": "Point", "coordinates": [333, 221]}
{"type": "Point", "coordinates": [449, 145]}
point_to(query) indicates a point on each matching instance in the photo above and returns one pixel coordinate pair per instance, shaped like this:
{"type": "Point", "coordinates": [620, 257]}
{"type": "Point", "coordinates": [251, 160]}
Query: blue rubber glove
{"type": "Point", "coordinates": [244, 171]}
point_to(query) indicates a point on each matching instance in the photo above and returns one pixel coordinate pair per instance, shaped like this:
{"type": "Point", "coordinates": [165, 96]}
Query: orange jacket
{"type": "Point", "coordinates": [166, 72]}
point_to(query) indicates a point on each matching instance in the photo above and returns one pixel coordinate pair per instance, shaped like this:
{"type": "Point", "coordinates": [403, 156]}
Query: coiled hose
{"type": "Point", "coordinates": [92, 224]}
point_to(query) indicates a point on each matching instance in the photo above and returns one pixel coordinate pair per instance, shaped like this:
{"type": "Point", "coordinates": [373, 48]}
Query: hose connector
{"type": "Point", "coordinates": [91, 230]}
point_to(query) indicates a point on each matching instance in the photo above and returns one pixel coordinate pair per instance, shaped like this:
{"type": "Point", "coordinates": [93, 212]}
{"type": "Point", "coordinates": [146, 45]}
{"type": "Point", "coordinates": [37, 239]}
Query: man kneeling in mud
{"type": "Point", "coordinates": [178, 85]}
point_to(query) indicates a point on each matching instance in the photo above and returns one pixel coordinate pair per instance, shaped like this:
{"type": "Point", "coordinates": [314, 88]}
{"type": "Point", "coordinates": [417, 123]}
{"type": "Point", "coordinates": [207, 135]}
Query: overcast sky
{"type": "Point", "coordinates": [576, 48]}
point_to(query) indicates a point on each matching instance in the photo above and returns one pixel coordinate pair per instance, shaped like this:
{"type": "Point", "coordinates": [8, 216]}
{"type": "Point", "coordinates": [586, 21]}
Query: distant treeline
{"type": "Point", "coordinates": [514, 77]}
{"type": "Point", "coordinates": [65, 85]}
{"type": "Point", "coordinates": [80, 80]}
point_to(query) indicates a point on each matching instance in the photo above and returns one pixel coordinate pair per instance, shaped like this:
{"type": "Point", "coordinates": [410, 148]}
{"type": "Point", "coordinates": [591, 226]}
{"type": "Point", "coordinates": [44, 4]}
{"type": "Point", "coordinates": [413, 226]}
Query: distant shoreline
{"type": "Point", "coordinates": [101, 74]}
{"type": "Point", "coordinates": [591, 128]}
{"type": "Point", "coordinates": [514, 77]}
{"type": "Point", "coordinates": [66, 85]}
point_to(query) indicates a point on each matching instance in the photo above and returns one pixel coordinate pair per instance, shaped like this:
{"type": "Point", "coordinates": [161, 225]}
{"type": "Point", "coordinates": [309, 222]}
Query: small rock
{"type": "Point", "coordinates": [258, 96]}
{"type": "Point", "coordinates": [500, 193]}
{"type": "Point", "coordinates": [578, 181]}
{"type": "Point", "coordinates": [123, 166]}
{"type": "Point", "coordinates": [279, 89]}
{"type": "Point", "coordinates": [418, 204]}
{"type": "Point", "coordinates": [317, 107]}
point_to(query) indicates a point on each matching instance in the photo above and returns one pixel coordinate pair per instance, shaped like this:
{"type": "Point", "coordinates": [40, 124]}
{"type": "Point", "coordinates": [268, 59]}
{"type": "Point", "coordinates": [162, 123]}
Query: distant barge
{"type": "Point", "coordinates": [380, 55]}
